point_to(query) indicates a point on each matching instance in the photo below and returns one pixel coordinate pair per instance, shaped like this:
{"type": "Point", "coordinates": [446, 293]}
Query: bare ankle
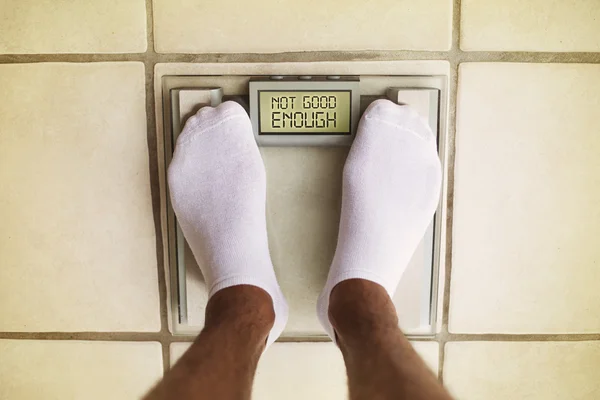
{"type": "Point", "coordinates": [242, 310]}
{"type": "Point", "coordinates": [361, 310]}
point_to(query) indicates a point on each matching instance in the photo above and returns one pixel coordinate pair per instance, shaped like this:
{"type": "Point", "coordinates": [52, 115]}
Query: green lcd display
{"type": "Point", "coordinates": [305, 112]}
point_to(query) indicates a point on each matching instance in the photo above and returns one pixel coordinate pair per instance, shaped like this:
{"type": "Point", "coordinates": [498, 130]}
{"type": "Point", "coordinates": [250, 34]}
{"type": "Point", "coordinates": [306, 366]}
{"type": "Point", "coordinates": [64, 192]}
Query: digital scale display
{"type": "Point", "coordinates": [305, 112]}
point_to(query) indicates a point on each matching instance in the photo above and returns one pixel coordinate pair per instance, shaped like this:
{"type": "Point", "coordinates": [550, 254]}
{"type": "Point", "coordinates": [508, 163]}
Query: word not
{"type": "Point", "coordinates": [308, 102]}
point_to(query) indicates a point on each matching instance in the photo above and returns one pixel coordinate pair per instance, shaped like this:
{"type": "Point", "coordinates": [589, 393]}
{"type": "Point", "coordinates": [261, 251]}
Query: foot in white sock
{"type": "Point", "coordinates": [217, 184]}
{"type": "Point", "coordinates": [391, 188]}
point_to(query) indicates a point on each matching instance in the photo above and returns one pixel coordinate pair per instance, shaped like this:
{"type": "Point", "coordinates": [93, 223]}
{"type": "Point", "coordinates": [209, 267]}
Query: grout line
{"type": "Point", "coordinates": [150, 51]}
{"type": "Point", "coordinates": [88, 336]}
{"type": "Point", "coordinates": [456, 20]}
{"type": "Point", "coordinates": [166, 356]}
{"type": "Point", "coordinates": [450, 156]}
{"type": "Point", "coordinates": [304, 56]}
{"type": "Point", "coordinates": [153, 165]}
{"type": "Point", "coordinates": [47, 58]}
{"type": "Point", "coordinates": [167, 338]}
{"type": "Point", "coordinates": [529, 57]}
{"type": "Point", "coordinates": [155, 193]}
{"type": "Point", "coordinates": [455, 54]}
{"type": "Point", "coordinates": [154, 185]}
{"type": "Point", "coordinates": [441, 358]}
{"type": "Point", "coordinates": [306, 339]}
{"type": "Point", "coordinates": [529, 337]}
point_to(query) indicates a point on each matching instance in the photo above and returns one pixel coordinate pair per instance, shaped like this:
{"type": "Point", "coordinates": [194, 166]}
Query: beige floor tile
{"type": "Point", "coordinates": [77, 239]}
{"type": "Point", "coordinates": [177, 350]}
{"type": "Point", "coordinates": [527, 190]}
{"type": "Point", "coordinates": [533, 25]}
{"type": "Point", "coordinates": [265, 26]}
{"type": "Point", "coordinates": [48, 369]}
{"type": "Point", "coordinates": [78, 26]}
{"type": "Point", "coordinates": [429, 351]}
{"type": "Point", "coordinates": [523, 370]}
{"type": "Point", "coordinates": [307, 370]}
{"type": "Point", "coordinates": [301, 371]}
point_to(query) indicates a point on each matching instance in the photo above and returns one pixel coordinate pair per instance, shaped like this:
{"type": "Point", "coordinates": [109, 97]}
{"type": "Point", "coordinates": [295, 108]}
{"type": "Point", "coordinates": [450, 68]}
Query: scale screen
{"type": "Point", "coordinates": [305, 112]}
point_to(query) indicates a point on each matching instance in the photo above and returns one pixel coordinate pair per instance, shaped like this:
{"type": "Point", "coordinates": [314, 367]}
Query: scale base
{"type": "Point", "coordinates": [303, 210]}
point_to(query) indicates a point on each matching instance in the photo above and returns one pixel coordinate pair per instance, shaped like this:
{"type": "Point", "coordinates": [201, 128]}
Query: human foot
{"type": "Point", "coordinates": [391, 188]}
{"type": "Point", "coordinates": [217, 185]}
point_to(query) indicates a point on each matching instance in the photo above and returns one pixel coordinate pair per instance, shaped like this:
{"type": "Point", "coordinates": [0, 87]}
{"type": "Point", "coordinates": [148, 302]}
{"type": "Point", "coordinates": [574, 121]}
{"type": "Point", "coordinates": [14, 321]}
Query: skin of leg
{"type": "Point", "coordinates": [380, 362]}
{"type": "Point", "coordinates": [222, 361]}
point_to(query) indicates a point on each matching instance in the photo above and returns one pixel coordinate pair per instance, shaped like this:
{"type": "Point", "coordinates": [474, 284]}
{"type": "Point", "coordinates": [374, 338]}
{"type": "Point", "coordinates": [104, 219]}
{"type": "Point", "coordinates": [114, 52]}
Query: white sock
{"type": "Point", "coordinates": [217, 184]}
{"type": "Point", "coordinates": [391, 188]}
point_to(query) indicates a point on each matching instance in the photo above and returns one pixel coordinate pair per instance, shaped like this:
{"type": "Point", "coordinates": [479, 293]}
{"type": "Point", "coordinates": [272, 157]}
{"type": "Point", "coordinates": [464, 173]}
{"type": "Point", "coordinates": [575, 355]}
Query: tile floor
{"type": "Point", "coordinates": [81, 282]}
{"type": "Point", "coordinates": [182, 26]}
{"type": "Point", "coordinates": [287, 367]}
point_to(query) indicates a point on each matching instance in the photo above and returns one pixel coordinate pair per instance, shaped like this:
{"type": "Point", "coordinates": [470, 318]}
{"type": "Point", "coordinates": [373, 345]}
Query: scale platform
{"type": "Point", "coordinates": [304, 155]}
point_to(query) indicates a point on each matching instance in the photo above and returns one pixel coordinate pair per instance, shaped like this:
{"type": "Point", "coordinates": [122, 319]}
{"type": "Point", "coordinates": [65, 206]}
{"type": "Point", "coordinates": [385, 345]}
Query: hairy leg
{"type": "Point", "coordinates": [221, 363]}
{"type": "Point", "coordinates": [380, 361]}
{"type": "Point", "coordinates": [217, 185]}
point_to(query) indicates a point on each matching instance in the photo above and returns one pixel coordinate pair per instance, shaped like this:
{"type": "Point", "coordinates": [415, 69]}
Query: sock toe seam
{"type": "Point", "coordinates": [361, 274]}
{"type": "Point", "coordinates": [401, 127]}
{"type": "Point", "coordinates": [243, 279]}
{"type": "Point", "coordinates": [248, 278]}
{"type": "Point", "coordinates": [192, 136]}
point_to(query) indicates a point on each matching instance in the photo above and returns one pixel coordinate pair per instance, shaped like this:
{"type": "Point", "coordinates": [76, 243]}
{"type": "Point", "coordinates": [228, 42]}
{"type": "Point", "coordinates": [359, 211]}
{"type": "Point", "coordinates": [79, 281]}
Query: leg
{"type": "Point", "coordinates": [391, 188]}
{"type": "Point", "coordinates": [221, 363]}
{"type": "Point", "coordinates": [380, 361]}
{"type": "Point", "coordinates": [217, 185]}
